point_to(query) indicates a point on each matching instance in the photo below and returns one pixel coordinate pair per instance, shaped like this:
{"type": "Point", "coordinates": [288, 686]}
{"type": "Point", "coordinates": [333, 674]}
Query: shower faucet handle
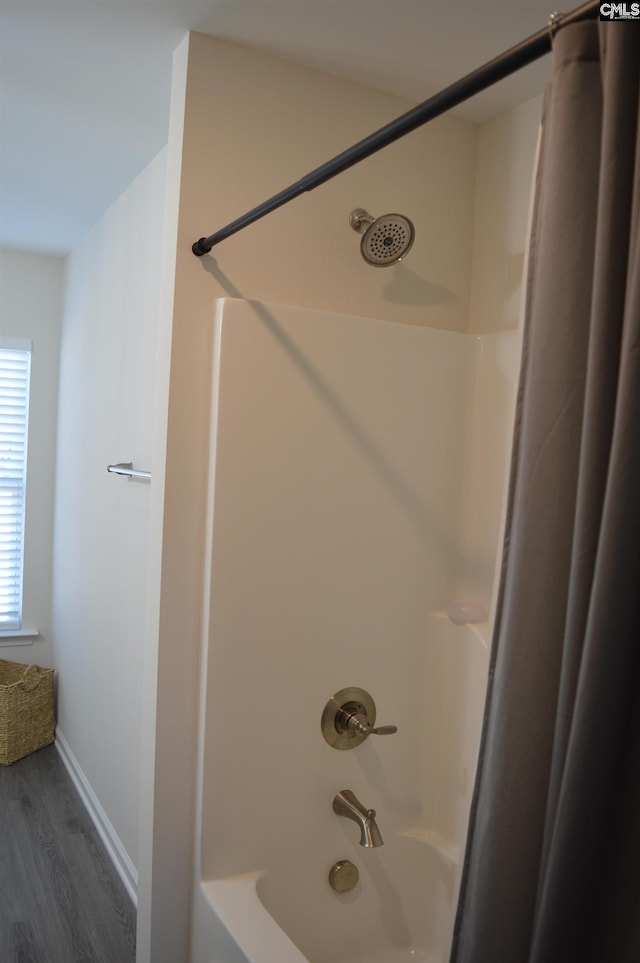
{"type": "Point", "coordinates": [356, 722]}
{"type": "Point", "coordinates": [349, 718]}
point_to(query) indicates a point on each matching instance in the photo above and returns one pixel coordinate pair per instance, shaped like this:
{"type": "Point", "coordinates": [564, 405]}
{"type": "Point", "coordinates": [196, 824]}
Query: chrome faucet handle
{"type": "Point", "coordinates": [355, 722]}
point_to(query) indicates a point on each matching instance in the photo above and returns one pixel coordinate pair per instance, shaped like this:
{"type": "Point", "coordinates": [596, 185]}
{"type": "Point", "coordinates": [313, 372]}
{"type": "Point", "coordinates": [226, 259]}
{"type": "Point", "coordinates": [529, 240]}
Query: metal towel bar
{"type": "Point", "coordinates": [126, 468]}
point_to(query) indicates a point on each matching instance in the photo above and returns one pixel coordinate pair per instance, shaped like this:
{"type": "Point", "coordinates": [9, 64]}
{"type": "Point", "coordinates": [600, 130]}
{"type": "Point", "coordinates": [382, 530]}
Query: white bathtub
{"type": "Point", "coordinates": [400, 910]}
{"type": "Point", "coordinates": [341, 515]}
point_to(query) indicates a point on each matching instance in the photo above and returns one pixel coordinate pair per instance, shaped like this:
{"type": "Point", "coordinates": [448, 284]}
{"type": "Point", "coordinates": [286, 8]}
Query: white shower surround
{"type": "Point", "coordinates": [357, 487]}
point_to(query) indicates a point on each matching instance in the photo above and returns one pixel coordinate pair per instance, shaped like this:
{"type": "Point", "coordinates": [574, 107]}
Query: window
{"type": "Point", "coordinates": [15, 364]}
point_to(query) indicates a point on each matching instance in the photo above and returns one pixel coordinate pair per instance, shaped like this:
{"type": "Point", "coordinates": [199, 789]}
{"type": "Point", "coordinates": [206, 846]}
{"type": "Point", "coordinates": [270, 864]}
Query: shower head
{"type": "Point", "coordinates": [385, 239]}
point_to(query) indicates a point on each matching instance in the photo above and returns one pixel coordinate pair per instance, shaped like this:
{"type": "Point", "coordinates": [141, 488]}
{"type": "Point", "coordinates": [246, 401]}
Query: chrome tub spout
{"type": "Point", "coordinates": [345, 803]}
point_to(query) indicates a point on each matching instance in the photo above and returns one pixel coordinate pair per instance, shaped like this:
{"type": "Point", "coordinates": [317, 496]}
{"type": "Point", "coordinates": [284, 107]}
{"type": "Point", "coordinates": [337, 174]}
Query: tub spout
{"type": "Point", "coordinates": [345, 803]}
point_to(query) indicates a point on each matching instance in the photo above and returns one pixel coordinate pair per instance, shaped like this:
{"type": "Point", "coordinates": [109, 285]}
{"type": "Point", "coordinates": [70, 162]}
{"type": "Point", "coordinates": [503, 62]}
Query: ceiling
{"type": "Point", "coordinates": [84, 84]}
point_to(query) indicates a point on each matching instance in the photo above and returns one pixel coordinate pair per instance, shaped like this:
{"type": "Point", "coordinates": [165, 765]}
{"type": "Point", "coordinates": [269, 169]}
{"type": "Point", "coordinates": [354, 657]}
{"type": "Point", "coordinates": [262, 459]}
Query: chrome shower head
{"type": "Point", "coordinates": [385, 239]}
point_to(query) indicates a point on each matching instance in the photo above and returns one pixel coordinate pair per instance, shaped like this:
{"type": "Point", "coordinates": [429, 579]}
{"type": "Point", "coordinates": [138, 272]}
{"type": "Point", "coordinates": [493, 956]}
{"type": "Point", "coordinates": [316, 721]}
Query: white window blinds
{"type": "Point", "coordinates": [15, 363]}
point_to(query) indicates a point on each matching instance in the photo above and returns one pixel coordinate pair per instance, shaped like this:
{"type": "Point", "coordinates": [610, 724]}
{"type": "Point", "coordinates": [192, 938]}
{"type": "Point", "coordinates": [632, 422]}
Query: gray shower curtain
{"type": "Point", "coordinates": [552, 868]}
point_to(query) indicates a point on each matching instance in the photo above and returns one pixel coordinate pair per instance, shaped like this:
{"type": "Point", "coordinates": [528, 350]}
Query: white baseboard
{"type": "Point", "coordinates": [118, 854]}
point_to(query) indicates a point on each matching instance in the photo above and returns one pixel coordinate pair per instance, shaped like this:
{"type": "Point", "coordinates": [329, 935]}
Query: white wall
{"type": "Point", "coordinates": [31, 292]}
{"type": "Point", "coordinates": [506, 153]}
{"type": "Point", "coordinates": [101, 549]}
{"type": "Point", "coordinates": [506, 157]}
{"type": "Point", "coordinates": [252, 124]}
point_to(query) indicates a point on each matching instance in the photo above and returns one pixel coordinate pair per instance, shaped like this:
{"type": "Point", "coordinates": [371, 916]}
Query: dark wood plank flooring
{"type": "Point", "coordinates": [61, 900]}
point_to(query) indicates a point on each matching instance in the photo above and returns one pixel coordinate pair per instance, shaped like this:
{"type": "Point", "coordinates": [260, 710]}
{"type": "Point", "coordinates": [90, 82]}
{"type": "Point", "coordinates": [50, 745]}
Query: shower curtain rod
{"type": "Point", "coordinates": [497, 69]}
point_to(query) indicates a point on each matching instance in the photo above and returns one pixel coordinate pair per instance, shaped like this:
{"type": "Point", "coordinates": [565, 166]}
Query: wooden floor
{"type": "Point", "coordinates": [61, 900]}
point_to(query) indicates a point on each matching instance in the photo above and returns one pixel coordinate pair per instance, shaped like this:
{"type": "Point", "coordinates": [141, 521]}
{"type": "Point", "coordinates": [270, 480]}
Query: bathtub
{"type": "Point", "coordinates": [341, 516]}
{"type": "Point", "coordinates": [400, 910]}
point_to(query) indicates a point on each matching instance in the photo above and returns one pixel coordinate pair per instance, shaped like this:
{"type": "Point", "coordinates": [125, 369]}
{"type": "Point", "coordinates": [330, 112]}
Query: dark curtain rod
{"type": "Point", "coordinates": [497, 69]}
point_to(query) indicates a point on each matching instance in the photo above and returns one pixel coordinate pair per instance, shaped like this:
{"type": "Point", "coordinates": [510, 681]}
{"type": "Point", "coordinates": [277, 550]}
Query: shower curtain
{"type": "Point", "coordinates": [552, 867]}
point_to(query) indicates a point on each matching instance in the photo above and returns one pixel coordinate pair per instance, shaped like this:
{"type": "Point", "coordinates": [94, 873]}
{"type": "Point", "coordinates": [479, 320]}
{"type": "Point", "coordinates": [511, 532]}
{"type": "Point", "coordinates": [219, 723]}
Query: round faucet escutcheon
{"type": "Point", "coordinates": [348, 719]}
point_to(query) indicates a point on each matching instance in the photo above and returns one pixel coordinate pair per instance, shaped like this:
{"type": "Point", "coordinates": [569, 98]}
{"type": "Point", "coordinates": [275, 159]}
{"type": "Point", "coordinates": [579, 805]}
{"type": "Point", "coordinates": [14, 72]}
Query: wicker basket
{"type": "Point", "coordinates": [26, 710]}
